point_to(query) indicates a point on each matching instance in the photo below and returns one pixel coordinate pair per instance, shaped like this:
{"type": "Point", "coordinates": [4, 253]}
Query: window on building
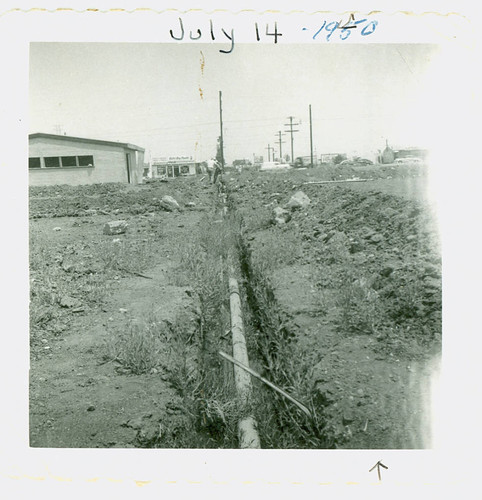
{"type": "Point", "coordinates": [34, 163]}
{"type": "Point", "coordinates": [52, 161]}
{"type": "Point", "coordinates": [69, 161]}
{"type": "Point", "coordinates": [161, 170]}
{"type": "Point", "coordinates": [185, 169]}
{"type": "Point", "coordinates": [86, 161]}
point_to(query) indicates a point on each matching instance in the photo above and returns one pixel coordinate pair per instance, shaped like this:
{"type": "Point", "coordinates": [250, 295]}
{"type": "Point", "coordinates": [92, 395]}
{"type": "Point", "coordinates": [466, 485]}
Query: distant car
{"type": "Point", "coordinates": [363, 161]}
{"type": "Point", "coordinates": [274, 165]}
{"type": "Point", "coordinates": [415, 161]}
{"type": "Point", "coordinates": [356, 162]}
{"type": "Point", "coordinates": [408, 161]}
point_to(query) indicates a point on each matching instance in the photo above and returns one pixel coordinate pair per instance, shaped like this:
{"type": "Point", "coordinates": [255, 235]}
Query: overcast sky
{"type": "Point", "coordinates": [164, 97]}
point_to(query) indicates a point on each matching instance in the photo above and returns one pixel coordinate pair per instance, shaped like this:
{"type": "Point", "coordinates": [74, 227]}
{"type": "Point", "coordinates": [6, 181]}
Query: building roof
{"type": "Point", "coordinates": [82, 139]}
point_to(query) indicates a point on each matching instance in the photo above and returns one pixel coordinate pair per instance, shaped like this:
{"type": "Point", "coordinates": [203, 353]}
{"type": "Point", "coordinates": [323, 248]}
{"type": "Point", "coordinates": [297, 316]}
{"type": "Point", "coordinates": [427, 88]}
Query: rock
{"type": "Point", "coordinates": [169, 203]}
{"type": "Point", "coordinates": [367, 232]}
{"type": "Point", "coordinates": [134, 423]}
{"type": "Point", "coordinates": [386, 271]}
{"type": "Point", "coordinates": [281, 216]}
{"type": "Point", "coordinates": [411, 237]}
{"type": "Point", "coordinates": [389, 212]}
{"type": "Point", "coordinates": [67, 301]}
{"type": "Point", "coordinates": [115, 227]}
{"type": "Point", "coordinates": [190, 204]}
{"type": "Point", "coordinates": [57, 229]}
{"type": "Point", "coordinates": [375, 238]}
{"type": "Point", "coordinates": [298, 200]}
{"type": "Point", "coordinates": [67, 267]}
{"type": "Point", "coordinates": [149, 434]}
{"type": "Point", "coordinates": [432, 271]}
{"type": "Point", "coordinates": [91, 408]}
{"type": "Point", "coordinates": [355, 247]}
{"type": "Point", "coordinates": [430, 282]}
{"type": "Point", "coordinates": [348, 416]}
{"type": "Point", "coordinates": [138, 422]}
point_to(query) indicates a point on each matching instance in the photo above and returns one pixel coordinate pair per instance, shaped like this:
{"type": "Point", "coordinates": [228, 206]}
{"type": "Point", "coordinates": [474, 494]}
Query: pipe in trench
{"type": "Point", "coordinates": [247, 427]}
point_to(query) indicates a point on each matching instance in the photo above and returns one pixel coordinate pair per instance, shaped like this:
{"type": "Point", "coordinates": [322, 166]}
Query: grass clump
{"type": "Point", "coordinates": [137, 347]}
{"type": "Point", "coordinates": [359, 306]}
{"type": "Point", "coordinates": [195, 369]}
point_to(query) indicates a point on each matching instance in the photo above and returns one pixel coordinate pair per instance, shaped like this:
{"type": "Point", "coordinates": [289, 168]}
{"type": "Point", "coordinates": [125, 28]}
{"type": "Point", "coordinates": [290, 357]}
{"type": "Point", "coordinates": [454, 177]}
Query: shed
{"type": "Point", "coordinates": [174, 166]}
{"type": "Point", "coordinates": [61, 159]}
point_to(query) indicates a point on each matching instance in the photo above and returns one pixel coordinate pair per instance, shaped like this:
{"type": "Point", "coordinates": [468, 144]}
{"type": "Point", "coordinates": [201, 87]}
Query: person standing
{"type": "Point", "coordinates": [210, 166]}
{"type": "Point", "coordinates": [217, 171]}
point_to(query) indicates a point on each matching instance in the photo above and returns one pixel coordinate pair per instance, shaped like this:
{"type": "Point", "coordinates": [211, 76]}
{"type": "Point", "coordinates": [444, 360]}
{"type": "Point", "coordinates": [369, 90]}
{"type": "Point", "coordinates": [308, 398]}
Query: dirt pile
{"type": "Point", "coordinates": [357, 277]}
{"type": "Point", "coordinates": [384, 247]}
{"type": "Point", "coordinates": [106, 199]}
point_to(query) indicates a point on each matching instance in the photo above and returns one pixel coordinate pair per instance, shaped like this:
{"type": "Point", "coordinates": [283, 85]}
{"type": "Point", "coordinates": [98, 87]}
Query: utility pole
{"type": "Point", "coordinates": [279, 134]}
{"type": "Point", "coordinates": [269, 148]}
{"type": "Point", "coordinates": [291, 131]}
{"type": "Point", "coordinates": [221, 140]}
{"type": "Point", "coordinates": [311, 139]}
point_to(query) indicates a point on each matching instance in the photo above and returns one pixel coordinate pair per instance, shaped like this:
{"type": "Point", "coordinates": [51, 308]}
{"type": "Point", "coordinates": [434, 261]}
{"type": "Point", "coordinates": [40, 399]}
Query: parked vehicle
{"type": "Point", "coordinates": [409, 161]}
{"type": "Point", "coordinates": [364, 161]}
{"type": "Point", "coordinates": [356, 162]}
{"type": "Point", "coordinates": [302, 162]}
{"type": "Point", "coordinates": [274, 165]}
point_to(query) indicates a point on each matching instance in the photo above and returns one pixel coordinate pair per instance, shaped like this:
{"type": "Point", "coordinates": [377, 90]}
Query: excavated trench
{"type": "Point", "coordinates": [220, 251]}
{"type": "Point", "coordinates": [273, 352]}
{"type": "Point", "coordinates": [338, 394]}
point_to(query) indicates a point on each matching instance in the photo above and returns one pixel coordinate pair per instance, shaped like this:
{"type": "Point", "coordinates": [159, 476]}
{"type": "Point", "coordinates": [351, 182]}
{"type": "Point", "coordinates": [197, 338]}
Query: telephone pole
{"type": "Point", "coordinates": [279, 134]}
{"type": "Point", "coordinates": [221, 141]}
{"type": "Point", "coordinates": [291, 131]}
{"type": "Point", "coordinates": [269, 148]}
{"type": "Point", "coordinates": [311, 139]}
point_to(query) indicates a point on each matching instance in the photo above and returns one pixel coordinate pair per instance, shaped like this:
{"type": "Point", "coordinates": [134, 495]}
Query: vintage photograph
{"type": "Point", "coordinates": [232, 250]}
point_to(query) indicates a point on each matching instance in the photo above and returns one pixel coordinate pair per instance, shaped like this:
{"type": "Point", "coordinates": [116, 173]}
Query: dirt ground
{"type": "Point", "coordinates": [86, 289]}
{"type": "Point", "coordinates": [77, 399]}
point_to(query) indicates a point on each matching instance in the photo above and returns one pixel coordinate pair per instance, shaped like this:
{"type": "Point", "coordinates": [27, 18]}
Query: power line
{"type": "Point", "coordinates": [279, 134]}
{"type": "Point", "coordinates": [269, 148]}
{"type": "Point", "coordinates": [291, 131]}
